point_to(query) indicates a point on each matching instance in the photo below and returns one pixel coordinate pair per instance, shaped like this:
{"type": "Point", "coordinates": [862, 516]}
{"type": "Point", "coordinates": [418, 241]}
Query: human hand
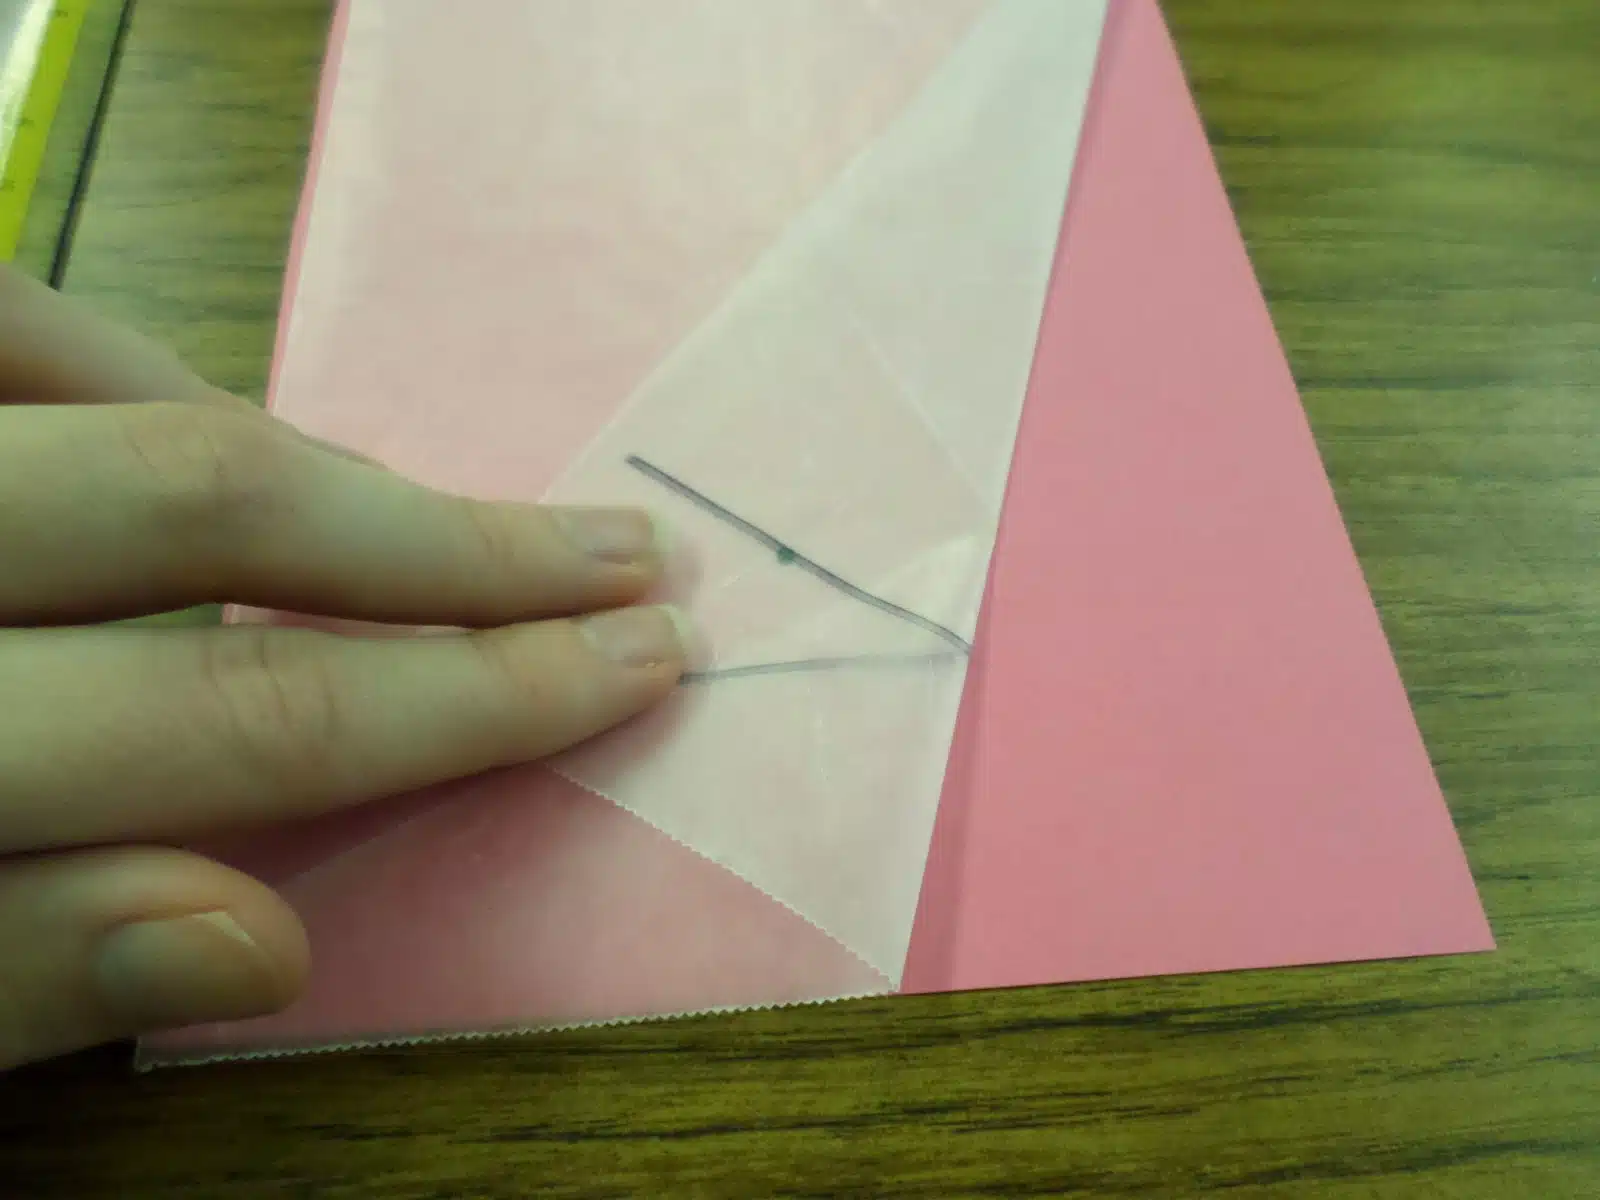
{"type": "Point", "coordinates": [129, 486]}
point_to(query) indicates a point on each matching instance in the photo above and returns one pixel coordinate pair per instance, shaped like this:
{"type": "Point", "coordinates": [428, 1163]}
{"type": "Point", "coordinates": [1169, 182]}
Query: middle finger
{"type": "Point", "coordinates": [111, 734]}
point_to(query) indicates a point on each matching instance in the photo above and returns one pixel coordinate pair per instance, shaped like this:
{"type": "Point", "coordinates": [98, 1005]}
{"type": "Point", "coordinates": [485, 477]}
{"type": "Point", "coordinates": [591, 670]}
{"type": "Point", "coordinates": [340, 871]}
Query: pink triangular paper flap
{"type": "Point", "coordinates": [536, 904]}
{"type": "Point", "coordinates": [1184, 744]}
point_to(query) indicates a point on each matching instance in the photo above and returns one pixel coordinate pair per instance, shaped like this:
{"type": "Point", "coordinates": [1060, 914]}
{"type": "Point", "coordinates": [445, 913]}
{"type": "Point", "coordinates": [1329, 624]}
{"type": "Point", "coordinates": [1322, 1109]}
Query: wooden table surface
{"type": "Point", "coordinates": [1419, 183]}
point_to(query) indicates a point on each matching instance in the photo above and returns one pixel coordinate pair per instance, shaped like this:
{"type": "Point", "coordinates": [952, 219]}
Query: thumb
{"type": "Point", "coordinates": [104, 944]}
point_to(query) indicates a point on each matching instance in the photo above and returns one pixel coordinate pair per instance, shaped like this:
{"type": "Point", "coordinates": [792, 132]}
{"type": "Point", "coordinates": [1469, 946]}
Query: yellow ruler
{"type": "Point", "coordinates": [37, 38]}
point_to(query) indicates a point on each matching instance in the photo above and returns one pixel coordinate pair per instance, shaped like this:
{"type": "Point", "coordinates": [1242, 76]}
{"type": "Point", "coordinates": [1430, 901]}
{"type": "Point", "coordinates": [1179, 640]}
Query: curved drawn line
{"type": "Point", "coordinates": [790, 556]}
{"type": "Point", "coordinates": [797, 666]}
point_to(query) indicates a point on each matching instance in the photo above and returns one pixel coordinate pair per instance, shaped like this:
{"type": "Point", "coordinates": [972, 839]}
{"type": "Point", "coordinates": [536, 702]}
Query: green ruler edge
{"type": "Point", "coordinates": [54, 31]}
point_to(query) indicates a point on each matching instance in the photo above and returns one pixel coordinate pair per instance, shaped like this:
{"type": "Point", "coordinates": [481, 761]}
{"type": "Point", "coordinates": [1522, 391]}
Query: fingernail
{"type": "Point", "coordinates": [612, 534]}
{"type": "Point", "coordinates": [183, 970]}
{"type": "Point", "coordinates": [639, 637]}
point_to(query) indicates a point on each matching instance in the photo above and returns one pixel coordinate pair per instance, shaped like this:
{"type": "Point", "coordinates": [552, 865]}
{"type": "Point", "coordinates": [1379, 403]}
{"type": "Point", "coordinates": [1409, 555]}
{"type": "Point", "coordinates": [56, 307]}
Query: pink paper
{"type": "Point", "coordinates": [797, 255]}
{"type": "Point", "coordinates": [1183, 744]}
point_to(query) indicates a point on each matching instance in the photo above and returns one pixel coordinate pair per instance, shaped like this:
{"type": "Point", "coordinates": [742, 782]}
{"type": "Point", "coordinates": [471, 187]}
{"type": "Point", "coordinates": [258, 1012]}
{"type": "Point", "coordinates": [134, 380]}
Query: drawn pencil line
{"type": "Point", "coordinates": [790, 556]}
{"type": "Point", "coordinates": [799, 665]}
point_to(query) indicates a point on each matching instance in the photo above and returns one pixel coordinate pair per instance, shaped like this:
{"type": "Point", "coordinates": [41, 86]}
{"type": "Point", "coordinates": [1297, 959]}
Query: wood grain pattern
{"type": "Point", "coordinates": [1419, 183]}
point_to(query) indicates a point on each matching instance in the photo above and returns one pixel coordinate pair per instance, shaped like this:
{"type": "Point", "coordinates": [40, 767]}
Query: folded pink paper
{"type": "Point", "coordinates": [1183, 743]}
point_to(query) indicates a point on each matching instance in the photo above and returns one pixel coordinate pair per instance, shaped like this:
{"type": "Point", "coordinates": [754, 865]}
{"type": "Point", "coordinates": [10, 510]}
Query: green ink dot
{"type": "Point", "coordinates": [785, 555]}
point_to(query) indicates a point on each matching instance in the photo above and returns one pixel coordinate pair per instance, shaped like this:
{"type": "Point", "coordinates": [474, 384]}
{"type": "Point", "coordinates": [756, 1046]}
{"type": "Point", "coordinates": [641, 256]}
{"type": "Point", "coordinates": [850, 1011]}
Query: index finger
{"type": "Point", "coordinates": [119, 510]}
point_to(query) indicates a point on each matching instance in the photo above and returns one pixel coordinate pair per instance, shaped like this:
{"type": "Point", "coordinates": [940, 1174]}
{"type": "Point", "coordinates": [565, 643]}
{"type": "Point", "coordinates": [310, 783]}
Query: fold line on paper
{"type": "Point", "coordinates": [800, 230]}
{"type": "Point", "coordinates": [888, 983]}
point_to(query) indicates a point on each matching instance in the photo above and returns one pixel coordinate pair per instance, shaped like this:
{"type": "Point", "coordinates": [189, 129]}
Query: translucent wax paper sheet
{"type": "Point", "coordinates": [775, 270]}
{"type": "Point", "coordinates": [857, 395]}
